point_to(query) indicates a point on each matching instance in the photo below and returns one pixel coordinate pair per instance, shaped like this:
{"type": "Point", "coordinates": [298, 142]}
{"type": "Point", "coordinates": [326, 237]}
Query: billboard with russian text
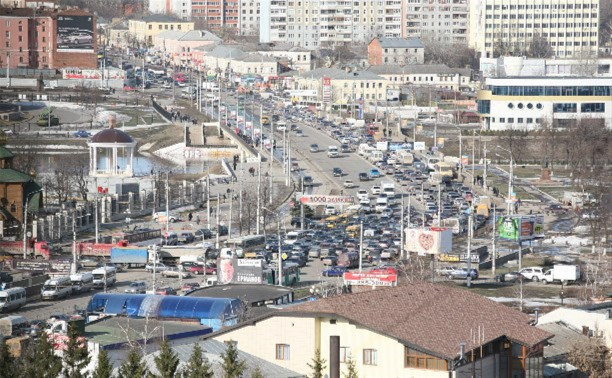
{"type": "Point", "coordinates": [75, 34]}
{"type": "Point", "coordinates": [321, 199]}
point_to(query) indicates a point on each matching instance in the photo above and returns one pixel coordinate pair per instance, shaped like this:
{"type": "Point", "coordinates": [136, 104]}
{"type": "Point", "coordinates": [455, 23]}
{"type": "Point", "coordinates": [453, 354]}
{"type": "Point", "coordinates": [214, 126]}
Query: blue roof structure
{"type": "Point", "coordinates": [213, 312]}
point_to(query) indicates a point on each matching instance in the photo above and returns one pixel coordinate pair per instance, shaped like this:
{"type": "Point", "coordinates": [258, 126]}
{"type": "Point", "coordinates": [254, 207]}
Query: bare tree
{"type": "Point", "coordinates": [514, 139]}
{"type": "Point", "coordinates": [81, 174]}
{"type": "Point", "coordinates": [414, 269]}
{"type": "Point", "coordinates": [539, 47]}
{"type": "Point", "coordinates": [453, 55]}
{"type": "Point", "coordinates": [60, 183]}
{"type": "Point", "coordinates": [27, 160]}
{"type": "Point", "coordinates": [592, 358]}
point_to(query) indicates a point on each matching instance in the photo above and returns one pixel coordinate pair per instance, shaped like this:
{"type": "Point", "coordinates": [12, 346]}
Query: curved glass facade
{"type": "Point", "coordinates": [538, 90]}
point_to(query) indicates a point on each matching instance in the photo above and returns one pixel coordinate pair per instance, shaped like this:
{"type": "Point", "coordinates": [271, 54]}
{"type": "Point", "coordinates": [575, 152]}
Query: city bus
{"type": "Point", "coordinates": [291, 276]}
{"type": "Point", "coordinates": [247, 242]}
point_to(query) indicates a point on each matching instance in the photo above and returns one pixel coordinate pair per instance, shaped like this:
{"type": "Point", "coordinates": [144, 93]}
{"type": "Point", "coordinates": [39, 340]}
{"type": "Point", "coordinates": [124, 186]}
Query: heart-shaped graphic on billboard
{"type": "Point", "coordinates": [426, 241]}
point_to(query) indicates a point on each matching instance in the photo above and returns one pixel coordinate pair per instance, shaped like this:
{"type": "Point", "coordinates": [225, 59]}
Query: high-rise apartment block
{"type": "Point", "coordinates": [569, 26]}
{"type": "Point", "coordinates": [438, 20]}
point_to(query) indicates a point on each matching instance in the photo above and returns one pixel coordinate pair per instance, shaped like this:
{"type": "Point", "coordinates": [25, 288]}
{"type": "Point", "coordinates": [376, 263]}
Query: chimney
{"type": "Point", "coordinates": [334, 357]}
{"type": "Point", "coordinates": [537, 316]}
{"type": "Point", "coordinates": [461, 351]}
{"type": "Point", "coordinates": [609, 314]}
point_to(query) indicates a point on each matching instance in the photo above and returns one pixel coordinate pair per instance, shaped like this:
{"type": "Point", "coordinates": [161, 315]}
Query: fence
{"type": "Point", "coordinates": [161, 111]}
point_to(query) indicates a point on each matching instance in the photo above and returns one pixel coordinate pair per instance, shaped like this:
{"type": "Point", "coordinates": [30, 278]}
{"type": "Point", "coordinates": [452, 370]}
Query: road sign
{"type": "Point", "coordinates": [284, 256]}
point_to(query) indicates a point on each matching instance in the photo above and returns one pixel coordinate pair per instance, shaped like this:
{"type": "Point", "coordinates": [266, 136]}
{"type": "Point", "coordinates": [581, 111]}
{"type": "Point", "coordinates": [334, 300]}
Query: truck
{"type": "Point", "coordinates": [332, 151]}
{"type": "Point", "coordinates": [129, 256]}
{"type": "Point", "coordinates": [98, 250]}
{"type": "Point", "coordinates": [39, 250]}
{"type": "Point", "coordinates": [563, 274]}
{"type": "Point", "coordinates": [405, 157]}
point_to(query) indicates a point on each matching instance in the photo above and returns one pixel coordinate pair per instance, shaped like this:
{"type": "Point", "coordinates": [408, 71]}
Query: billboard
{"type": "Point", "coordinates": [321, 199]}
{"type": "Point", "coordinates": [327, 89]}
{"type": "Point", "coordinates": [75, 34]}
{"type": "Point", "coordinates": [429, 241]}
{"type": "Point", "coordinates": [521, 227]}
{"type": "Point", "coordinates": [370, 279]}
{"type": "Point", "coordinates": [240, 271]}
{"type": "Point", "coordinates": [419, 146]}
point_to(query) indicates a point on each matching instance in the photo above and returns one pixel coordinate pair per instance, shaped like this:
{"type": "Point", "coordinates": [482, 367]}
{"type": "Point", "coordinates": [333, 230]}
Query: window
{"type": "Point", "coordinates": [593, 107]}
{"type": "Point", "coordinates": [502, 120]}
{"type": "Point", "coordinates": [345, 354]}
{"type": "Point", "coordinates": [511, 120]}
{"type": "Point", "coordinates": [416, 359]}
{"type": "Point", "coordinates": [370, 357]}
{"type": "Point", "coordinates": [564, 108]}
{"type": "Point", "coordinates": [282, 352]}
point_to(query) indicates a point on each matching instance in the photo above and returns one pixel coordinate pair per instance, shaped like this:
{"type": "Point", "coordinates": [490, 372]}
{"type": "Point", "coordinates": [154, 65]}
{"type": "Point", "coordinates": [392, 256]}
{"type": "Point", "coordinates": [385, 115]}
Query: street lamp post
{"type": "Point", "coordinates": [280, 258]}
{"type": "Point", "coordinates": [510, 179]}
{"type": "Point", "coordinates": [25, 222]}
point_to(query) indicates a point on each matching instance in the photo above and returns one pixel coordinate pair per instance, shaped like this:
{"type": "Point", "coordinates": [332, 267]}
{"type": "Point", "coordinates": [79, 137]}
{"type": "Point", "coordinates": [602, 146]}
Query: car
{"type": "Point", "coordinates": [138, 287]}
{"type": "Point", "coordinates": [199, 269]}
{"type": "Point", "coordinates": [462, 274]}
{"type": "Point", "coordinates": [159, 267]}
{"type": "Point", "coordinates": [161, 217]}
{"type": "Point", "coordinates": [446, 271]}
{"type": "Point", "coordinates": [374, 173]}
{"type": "Point", "coordinates": [203, 233]}
{"type": "Point", "coordinates": [299, 133]}
{"type": "Point", "coordinates": [78, 38]}
{"type": "Point", "coordinates": [337, 172]}
{"type": "Point", "coordinates": [165, 291]}
{"type": "Point", "coordinates": [314, 147]}
{"type": "Point", "coordinates": [335, 271]}
{"type": "Point", "coordinates": [363, 176]}
{"type": "Point", "coordinates": [81, 134]}
{"type": "Point", "coordinates": [533, 273]}
{"type": "Point", "coordinates": [176, 272]}
{"type": "Point", "coordinates": [330, 210]}
{"type": "Point", "coordinates": [375, 190]}
{"type": "Point", "coordinates": [329, 260]}
{"type": "Point", "coordinates": [186, 237]}
{"type": "Point", "coordinates": [510, 277]}
{"type": "Point", "coordinates": [556, 208]}
{"type": "Point", "coordinates": [349, 184]}
{"type": "Point", "coordinates": [167, 85]}
{"type": "Point", "coordinates": [190, 286]}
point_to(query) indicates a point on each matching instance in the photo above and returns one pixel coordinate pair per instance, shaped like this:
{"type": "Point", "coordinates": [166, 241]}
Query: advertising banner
{"type": "Point", "coordinates": [465, 160]}
{"type": "Point", "coordinates": [75, 34]}
{"type": "Point", "coordinates": [429, 241]}
{"type": "Point", "coordinates": [397, 146]}
{"type": "Point", "coordinates": [320, 199]}
{"type": "Point", "coordinates": [303, 93]}
{"type": "Point", "coordinates": [327, 89]}
{"type": "Point", "coordinates": [370, 279]}
{"type": "Point", "coordinates": [419, 146]}
{"type": "Point", "coordinates": [521, 227]}
{"type": "Point", "coordinates": [508, 228]}
{"type": "Point", "coordinates": [382, 146]}
{"type": "Point", "coordinates": [248, 271]}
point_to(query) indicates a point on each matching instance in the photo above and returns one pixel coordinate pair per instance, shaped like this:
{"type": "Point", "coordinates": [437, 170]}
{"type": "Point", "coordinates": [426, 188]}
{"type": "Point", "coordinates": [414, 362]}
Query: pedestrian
{"type": "Point", "coordinates": [190, 217]}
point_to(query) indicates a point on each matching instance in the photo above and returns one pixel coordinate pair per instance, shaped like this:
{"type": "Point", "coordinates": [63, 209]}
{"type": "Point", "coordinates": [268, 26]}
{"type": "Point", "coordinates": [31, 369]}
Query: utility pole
{"type": "Point", "coordinates": [473, 157]}
{"type": "Point", "coordinates": [360, 245]}
{"type": "Point", "coordinates": [73, 266]}
{"type": "Point", "coordinates": [154, 267]}
{"type": "Point", "coordinates": [229, 224]}
{"type": "Point", "coordinates": [288, 179]}
{"type": "Point", "coordinates": [302, 207]}
{"type": "Point", "coordinates": [510, 179]}
{"type": "Point", "coordinates": [208, 200]}
{"type": "Point", "coordinates": [469, 251]}
{"type": "Point", "coordinates": [280, 257]}
{"type": "Point", "coordinates": [167, 204]}
{"type": "Point", "coordinates": [493, 249]}
{"type": "Point", "coordinates": [460, 153]}
{"type": "Point", "coordinates": [440, 205]}
{"type": "Point", "coordinates": [484, 175]}
{"type": "Point", "coordinates": [218, 208]}
{"type": "Point", "coordinates": [402, 249]}
{"type": "Point", "coordinates": [96, 220]}
{"type": "Point", "coordinates": [257, 221]}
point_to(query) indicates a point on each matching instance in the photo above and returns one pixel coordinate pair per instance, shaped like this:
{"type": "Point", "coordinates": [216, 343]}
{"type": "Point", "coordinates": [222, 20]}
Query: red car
{"type": "Point", "coordinates": [165, 291]}
{"type": "Point", "coordinates": [189, 286]}
{"type": "Point", "coordinates": [199, 269]}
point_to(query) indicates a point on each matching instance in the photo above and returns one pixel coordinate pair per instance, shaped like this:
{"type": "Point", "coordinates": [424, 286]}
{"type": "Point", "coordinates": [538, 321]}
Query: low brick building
{"type": "Point", "coordinates": [382, 50]}
{"type": "Point", "coordinates": [47, 38]}
{"type": "Point", "coordinates": [17, 190]}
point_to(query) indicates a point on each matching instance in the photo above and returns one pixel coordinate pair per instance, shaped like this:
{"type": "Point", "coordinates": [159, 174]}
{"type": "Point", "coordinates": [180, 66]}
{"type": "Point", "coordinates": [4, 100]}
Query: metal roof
{"type": "Point", "coordinates": [247, 293]}
{"type": "Point", "coordinates": [402, 43]}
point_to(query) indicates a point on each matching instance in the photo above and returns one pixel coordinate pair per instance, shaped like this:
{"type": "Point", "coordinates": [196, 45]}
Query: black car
{"type": "Point", "coordinates": [363, 176]}
{"type": "Point", "coordinates": [337, 172]}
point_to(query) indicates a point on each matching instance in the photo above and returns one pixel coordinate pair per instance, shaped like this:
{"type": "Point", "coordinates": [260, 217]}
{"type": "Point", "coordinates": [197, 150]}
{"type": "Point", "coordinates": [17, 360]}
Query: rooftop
{"type": "Point", "coordinates": [212, 350]}
{"type": "Point", "coordinates": [223, 51]}
{"type": "Point", "coordinates": [111, 135]}
{"type": "Point", "coordinates": [247, 293]}
{"type": "Point", "coordinates": [564, 339]}
{"type": "Point", "coordinates": [338, 74]}
{"type": "Point", "coordinates": [431, 317]}
{"type": "Point", "coordinates": [161, 18]}
{"type": "Point", "coordinates": [109, 332]}
{"type": "Point", "coordinates": [402, 43]}
{"type": "Point", "coordinates": [192, 35]}
{"type": "Point", "coordinates": [413, 69]}
{"type": "Point", "coordinates": [12, 175]}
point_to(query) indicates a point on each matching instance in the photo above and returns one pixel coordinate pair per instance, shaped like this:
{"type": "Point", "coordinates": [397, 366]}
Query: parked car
{"type": "Point", "coordinates": [138, 287]}
{"type": "Point", "coordinates": [175, 272]}
{"type": "Point", "coordinates": [165, 291]}
{"type": "Point", "coordinates": [510, 277]}
{"type": "Point", "coordinates": [159, 267]}
{"type": "Point", "coordinates": [199, 269]}
{"type": "Point", "coordinates": [335, 271]}
{"type": "Point", "coordinates": [462, 274]}
{"type": "Point", "coordinates": [81, 134]}
{"type": "Point", "coordinates": [337, 172]}
{"type": "Point", "coordinates": [446, 271]}
{"type": "Point", "coordinates": [533, 273]}
{"type": "Point", "coordinates": [190, 286]}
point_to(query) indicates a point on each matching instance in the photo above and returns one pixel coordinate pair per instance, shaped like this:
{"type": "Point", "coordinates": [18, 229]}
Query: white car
{"type": "Point", "coordinates": [380, 207]}
{"type": "Point", "coordinates": [534, 273]}
{"type": "Point", "coordinates": [364, 201]}
{"type": "Point", "coordinates": [349, 184]}
{"type": "Point", "coordinates": [363, 194]}
{"type": "Point", "coordinates": [162, 215]}
{"type": "Point", "coordinates": [376, 190]}
{"type": "Point", "coordinates": [175, 272]}
{"type": "Point", "coordinates": [330, 210]}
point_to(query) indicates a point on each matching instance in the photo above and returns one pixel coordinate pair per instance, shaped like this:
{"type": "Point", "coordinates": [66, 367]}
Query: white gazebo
{"type": "Point", "coordinates": [111, 154]}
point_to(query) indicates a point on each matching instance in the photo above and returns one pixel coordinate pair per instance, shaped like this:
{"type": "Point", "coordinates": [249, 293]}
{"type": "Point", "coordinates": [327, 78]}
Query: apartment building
{"type": "Point", "coordinates": [326, 24]}
{"type": "Point", "coordinates": [217, 14]}
{"type": "Point", "coordinates": [438, 20]}
{"type": "Point", "coordinates": [46, 38]}
{"type": "Point", "coordinates": [570, 26]}
{"type": "Point", "coordinates": [249, 17]}
{"type": "Point", "coordinates": [179, 8]}
{"type": "Point", "coordinates": [146, 28]}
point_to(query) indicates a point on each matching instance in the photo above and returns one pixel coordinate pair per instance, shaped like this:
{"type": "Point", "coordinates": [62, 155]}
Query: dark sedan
{"type": "Point", "coordinates": [336, 271]}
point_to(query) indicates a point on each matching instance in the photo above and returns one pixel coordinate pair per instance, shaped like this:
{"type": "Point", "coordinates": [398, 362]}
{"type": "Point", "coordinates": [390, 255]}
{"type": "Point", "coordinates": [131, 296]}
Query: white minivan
{"type": "Point", "coordinates": [81, 282]}
{"type": "Point", "coordinates": [108, 272]}
{"type": "Point", "coordinates": [12, 299]}
{"type": "Point", "coordinates": [56, 288]}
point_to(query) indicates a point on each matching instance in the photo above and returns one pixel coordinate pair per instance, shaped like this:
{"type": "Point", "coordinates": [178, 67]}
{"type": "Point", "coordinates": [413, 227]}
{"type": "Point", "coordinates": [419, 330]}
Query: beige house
{"type": "Point", "coordinates": [415, 331]}
{"type": "Point", "coordinates": [435, 75]}
{"type": "Point", "coordinates": [341, 87]}
{"type": "Point", "coordinates": [233, 60]}
{"type": "Point", "coordinates": [596, 321]}
{"type": "Point", "coordinates": [146, 28]}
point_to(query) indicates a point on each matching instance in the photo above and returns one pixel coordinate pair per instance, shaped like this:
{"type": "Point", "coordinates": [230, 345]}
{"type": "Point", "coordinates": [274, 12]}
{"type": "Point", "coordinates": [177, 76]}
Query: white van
{"type": "Point", "coordinates": [388, 188]}
{"type": "Point", "coordinates": [12, 299]}
{"type": "Point", "coordinates": [56, 288]}
{"type": "Point", "coordinates": [81, 282]}
{"type": "Point", "coordinates": [110, 272]}
{"type": "Point", "coordinates": [294, 236]}
{"type": "Point", "coordinates": [375, 156]}
{"type": "Point", "coordinates": [13, 325]}
{"type": "Point", "coordinates": [382, 203]}
{"type": "Point", "coordinates": [332, 151]}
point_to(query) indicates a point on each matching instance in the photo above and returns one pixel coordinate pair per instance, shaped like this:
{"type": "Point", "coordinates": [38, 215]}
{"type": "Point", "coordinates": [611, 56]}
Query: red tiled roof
{"type": "Point", "coordinates": [431, 317]}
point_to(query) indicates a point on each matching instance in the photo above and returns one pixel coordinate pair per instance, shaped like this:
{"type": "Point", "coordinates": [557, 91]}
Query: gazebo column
{"type": "Point", "coordinates": [114, 161]}
{"type": "Point", "coordinates": [131, 160]}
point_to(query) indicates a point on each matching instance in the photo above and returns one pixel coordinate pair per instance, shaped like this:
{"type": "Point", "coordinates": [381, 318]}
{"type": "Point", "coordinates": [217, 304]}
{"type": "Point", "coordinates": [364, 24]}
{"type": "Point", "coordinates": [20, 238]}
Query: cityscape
{"type": "Point", "coordinates": [325, 189]}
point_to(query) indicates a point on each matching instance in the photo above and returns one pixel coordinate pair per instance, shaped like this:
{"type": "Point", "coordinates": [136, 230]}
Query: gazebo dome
{"type": "Point", "coordinates": [111, 136]}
